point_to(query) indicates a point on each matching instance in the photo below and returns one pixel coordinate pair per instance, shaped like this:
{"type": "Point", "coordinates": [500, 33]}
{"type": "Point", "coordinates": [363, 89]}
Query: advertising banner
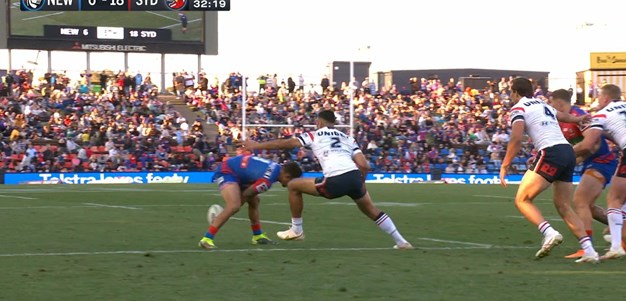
{"type": "Point", "coordinates": [109, 178]}
{"type": "Point", "coordinates": [207, 177]}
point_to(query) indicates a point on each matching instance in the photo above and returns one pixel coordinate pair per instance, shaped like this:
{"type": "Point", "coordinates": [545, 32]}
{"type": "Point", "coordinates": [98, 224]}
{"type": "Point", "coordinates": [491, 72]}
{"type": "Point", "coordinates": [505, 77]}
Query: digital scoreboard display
{"type": "Point", "coordinates": [150, 26]}
{"type": "Point", "coordinates": [125, 5]}
{"type": "Point", "coordinates": [106, 33]}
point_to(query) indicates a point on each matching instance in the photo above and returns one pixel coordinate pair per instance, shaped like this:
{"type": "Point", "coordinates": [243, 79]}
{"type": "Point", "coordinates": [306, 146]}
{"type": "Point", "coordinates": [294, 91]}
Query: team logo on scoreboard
{"type": "Point", "coordinates": [176, 4]}
{"type": "Point", "coordinates": [32, 4]}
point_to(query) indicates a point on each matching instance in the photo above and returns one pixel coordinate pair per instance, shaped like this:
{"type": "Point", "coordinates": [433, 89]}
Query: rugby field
{"type": "Point", "coordinates": [138, 242]}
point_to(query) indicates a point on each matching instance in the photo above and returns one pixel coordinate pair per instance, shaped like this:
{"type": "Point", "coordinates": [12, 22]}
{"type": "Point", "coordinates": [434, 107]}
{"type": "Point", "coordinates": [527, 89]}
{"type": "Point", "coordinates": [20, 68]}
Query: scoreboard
{"type": "Point", "coordinates": [125, 5]}
{"type": "Point", "coordinates": [69, 32]}
{"type": "Point", "coordinates": [193, 31]}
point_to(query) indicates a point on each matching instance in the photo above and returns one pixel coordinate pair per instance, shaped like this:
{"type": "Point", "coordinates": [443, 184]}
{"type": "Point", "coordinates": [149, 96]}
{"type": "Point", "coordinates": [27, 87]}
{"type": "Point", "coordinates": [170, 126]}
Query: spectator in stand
{"type": "Point", "coordinates": [501, 137]}
{"type": "Point", "coordinates": [300, 83]}
{"type": "Point", "coordinates": [325, 83]}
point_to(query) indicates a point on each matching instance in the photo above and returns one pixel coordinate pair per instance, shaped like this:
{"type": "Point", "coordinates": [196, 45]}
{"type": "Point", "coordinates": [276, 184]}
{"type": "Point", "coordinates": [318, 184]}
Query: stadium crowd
{"type": "Point", "coordinates": [436, 125]}
{"type": "Point", "coordinates": [62, 125]}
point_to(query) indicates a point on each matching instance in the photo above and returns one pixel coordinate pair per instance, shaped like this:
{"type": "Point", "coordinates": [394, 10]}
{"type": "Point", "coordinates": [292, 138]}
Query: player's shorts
{"type": "Point", "coordinates": [601, 170]}
{"type": "Point", "coordinates": [350, 183]}
{"type": "Point", "coordinates": [555, 163]}
{"type": "Point", "coordinates": [621, 167]}
{"type": "Point", "coordinates": [224, 176]}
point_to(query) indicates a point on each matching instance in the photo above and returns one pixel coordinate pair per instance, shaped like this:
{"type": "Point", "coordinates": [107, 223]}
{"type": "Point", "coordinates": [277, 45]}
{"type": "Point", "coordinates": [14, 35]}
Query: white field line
{"type": "Point", "coordinates": [549, 218]}
{"type": "Point", "coordinates": [260, 195]}
{"type": "Point", "coordinates": [178, 24]}
{"type": "Point", "coordinates": [149, 190]}
{"type": "Point", "coordinates": [505, 197]}
{"type": "Point", "coordinates": [17, 197]}
{"type": "Point", "coordinates": [101, 205]}
{"type": "Point", "coordinates": [262, 221]}
{"type": "Point", "coordinates": [457, 242]}
{"type": "Point", "coordinates": [473, 244]}
{"type": "Point", "coordinates": [162, 16]}
{"type": "Point", "coordinates": [43, 16]}
{"type": "Point", "coordinates": [45, 207]}
{"type": "Point", "coordinates": [251, 250]}
{"type": "Point", "coordinates": [112, 206]}
{"type": "Point", "coordinates": [394, 204]}
{"type": "Point", "coordinates": [349, 203]}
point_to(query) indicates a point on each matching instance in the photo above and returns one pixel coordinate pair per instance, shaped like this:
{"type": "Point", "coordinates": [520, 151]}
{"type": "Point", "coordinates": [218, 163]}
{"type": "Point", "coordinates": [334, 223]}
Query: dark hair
{"type": "Point", "coordinates": [523, 87]}
{"type": "Point", "coordinates": [613, 91]}
{"type": "Point", "coordinates": [562, 94]}
{"type": "Point", "coordinates": [293, 169]}
{"type": "Point", "coordinates": [327, 115]}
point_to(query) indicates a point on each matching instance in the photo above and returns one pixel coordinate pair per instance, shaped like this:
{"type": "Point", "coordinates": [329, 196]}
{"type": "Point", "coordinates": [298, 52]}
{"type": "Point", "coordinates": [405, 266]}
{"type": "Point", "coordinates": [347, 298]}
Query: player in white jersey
{"type": "Point", "coordinates": [554, 165]}
{"type": "Point", "coordinates": [344, 167]}
{"type": "Point", "coordinates": [610, 120]}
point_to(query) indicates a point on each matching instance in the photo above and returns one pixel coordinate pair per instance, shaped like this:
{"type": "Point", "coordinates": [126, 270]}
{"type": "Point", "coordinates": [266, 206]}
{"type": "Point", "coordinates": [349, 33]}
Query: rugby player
{"type": "Point", "coordinates": [597, 169]}
{"type": "Point", "coordinates": [610, 120]}
{"type": "Point", "coordinates": [241, 179]}
{"type": "Point", "coordinates": [554, 165]}
{"type": "Point", "coordinates": [344, 167]}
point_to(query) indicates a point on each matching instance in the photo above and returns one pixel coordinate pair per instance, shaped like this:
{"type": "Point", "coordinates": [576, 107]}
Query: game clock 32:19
{"type": "Point", "coordinates": [217, 5]}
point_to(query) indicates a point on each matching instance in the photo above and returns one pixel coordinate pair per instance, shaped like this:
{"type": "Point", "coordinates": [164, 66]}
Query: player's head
{"type": "Point", "coordinates": [289, 171]}
{"type": "Point", "coordinates": [326, 118]}
{"type": "Point", "coordinates": [561, 100]}
{"type": "Point", "coordinates": [608, 93]}
{"type": "Point", "coordinates": [521, 87]}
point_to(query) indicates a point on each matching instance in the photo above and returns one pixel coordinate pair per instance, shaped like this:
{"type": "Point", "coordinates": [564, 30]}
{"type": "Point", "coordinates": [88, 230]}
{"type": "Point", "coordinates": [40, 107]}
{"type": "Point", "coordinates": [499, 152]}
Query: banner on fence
{"type": "Point", "coordinates": [109, 178]}
{"type": "Point", "coordinates": [207, 177]}
{"type": "Point", "coordinates": [445, 178]}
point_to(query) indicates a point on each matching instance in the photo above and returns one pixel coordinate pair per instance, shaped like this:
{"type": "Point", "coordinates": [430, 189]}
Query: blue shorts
{"type": "Point", "coordinates": [607, 170]}
{"type": "Point", "coordinates": [222, 178]}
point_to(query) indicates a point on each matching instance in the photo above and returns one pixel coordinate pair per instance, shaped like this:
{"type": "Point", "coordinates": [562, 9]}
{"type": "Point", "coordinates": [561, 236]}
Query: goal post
{"type": "Point", "coordinates": [245, 124]}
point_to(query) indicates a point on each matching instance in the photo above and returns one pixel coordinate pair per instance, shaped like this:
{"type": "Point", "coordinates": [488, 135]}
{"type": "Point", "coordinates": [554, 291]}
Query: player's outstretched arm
{"type": "Point", "coordinates": [566, 117]}
{"type": "Point", "coordinates": [589, 144]}
{"type": "Point", "coordinates": [273, 144]}
{"type": "Point", "coordinates": [514, 146]}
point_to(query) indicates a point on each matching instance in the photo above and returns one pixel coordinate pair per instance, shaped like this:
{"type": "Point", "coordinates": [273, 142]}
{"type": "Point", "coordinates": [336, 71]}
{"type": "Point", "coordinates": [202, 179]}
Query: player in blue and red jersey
{"type": "Point", "coordinates": [597, 169]}
{"type": "Point", "coordinates": [241, 179]}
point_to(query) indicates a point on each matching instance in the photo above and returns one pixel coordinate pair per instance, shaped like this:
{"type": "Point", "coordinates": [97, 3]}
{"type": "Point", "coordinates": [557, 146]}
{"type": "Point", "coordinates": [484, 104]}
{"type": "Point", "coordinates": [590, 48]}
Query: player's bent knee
{"type": "Point", "coordinates": [523, 199]}
{"type": "Point", "coordinates": [232, 209]}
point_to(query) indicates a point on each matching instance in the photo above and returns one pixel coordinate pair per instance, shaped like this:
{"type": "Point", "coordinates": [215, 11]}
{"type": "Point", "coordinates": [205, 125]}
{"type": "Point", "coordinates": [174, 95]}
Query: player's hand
{"type": "Point", "coordinates": [584, 118]}
{"type": "Point", "coordinates": [503, 172]}
{"type": "Point", "coordinates": [253, 200]}
{"type": "Point", "coordinates": [531, 160]}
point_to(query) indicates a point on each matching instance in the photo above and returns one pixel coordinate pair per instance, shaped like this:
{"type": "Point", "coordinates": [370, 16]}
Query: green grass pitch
{"type": "Point", "coordinates": [139, 242]}
{"type": "Point", "coordinates": [31, 23]}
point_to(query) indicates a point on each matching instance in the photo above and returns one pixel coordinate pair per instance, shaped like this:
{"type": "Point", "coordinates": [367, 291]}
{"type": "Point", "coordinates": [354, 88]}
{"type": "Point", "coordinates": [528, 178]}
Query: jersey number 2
{"type": "Point", "coordinates": [336, 142]}
{"type": "Point", "coordinates": [548, 112]}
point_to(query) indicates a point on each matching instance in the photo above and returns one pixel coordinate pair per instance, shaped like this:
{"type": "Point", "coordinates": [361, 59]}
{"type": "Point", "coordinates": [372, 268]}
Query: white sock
{"type": "Point", "coordinates": [296, 224]}
{"type": "Point", "coordinates": [616, 220]}
{"type": "Point", "coordinates": [586, 245]}
{"type": "Point", "coordinates": [385, 223]}
{"type": "Point", "coordinates": [546, 229]}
